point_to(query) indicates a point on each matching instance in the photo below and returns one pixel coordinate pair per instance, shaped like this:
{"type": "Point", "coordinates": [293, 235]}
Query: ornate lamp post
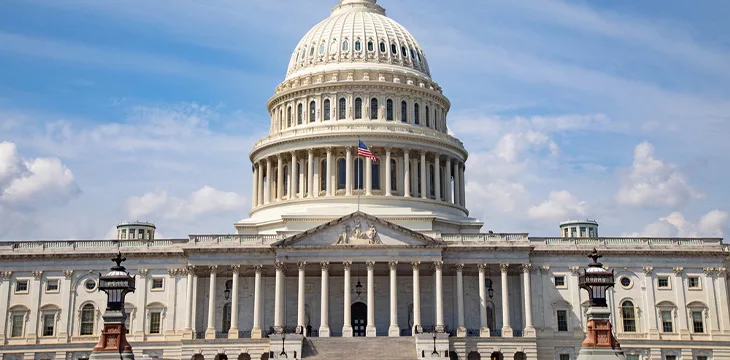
{"type": "Point", "coordinates": [599, 343]}
{"type": "Point", "coordinates": [113, 344]}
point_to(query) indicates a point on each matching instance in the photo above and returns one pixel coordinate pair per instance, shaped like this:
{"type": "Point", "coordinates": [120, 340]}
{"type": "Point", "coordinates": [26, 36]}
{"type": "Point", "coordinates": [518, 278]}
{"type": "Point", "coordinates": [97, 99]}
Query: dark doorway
{"type": "Point", "coordinates": [359, 316]}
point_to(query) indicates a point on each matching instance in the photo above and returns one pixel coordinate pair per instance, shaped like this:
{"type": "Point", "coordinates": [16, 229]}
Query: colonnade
{"type": "Point", "coordinates": [347, 329]}
{"type": "Point", "coordinates": [332, 171]}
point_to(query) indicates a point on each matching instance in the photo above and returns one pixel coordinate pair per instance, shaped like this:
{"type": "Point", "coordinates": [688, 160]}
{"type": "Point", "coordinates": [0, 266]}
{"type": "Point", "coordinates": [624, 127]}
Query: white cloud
{"type": "Point", "coordinates": [560, 205]}
{"type": "Point", "coordinates": [653, 183]}
{"type": "Point", "coordinates": [205, 201]}
{"type": "Point", "coordinates": [713, 224]}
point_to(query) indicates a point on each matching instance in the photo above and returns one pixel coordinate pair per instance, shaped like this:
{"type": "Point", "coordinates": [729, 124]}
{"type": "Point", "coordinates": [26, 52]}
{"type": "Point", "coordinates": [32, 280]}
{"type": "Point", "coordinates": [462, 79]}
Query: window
{"type": "Point", "coordinates": [323, 177]}
{"type": "Point", "coordinates": [21, 286]}
{"type": "Point", "coordinates": [671, 357]}
{"type": "Point", "coordinates": [628, 315]}
{"type": "Point", "coordinates": [155, 317]}
{"type": "Point", "coordinates": [632, 357]}
{"type": "Point", "coordinates": [289, 116]}
{"type": "Point", "coordinates": [343, 109]}
{"type": "Point", "coordinates": [312, 111]}
{"type": "Point", "coordinates": [428, 118]}
{"type": "Point", "coordinates": [416, 114]}
{"type": "Point", "coordinates": [667, 321]}
{"type": "Point", "coordinates": [382, 47]}
{"type": "Point", "coordinates": [158, 283]}
{"type": "Point", "coordinates": [17, 330]}
{"type": "Point", "coordinates": [87, 320]}
{"type": "Point", "coordinates": [341, 173]}
{"type": "Point", "coordinates": [559, 281]}
{"type": "Point", "coordinates": [370, 46]}
{"type": "Point", "coordinates": [389, 110]}
{"type": "Point", "coordinates": [226, 319]}
{"type": "Point", "coordinates": [663, 282]}
{"type": "Point", "coordinates": [394, 49]}
{"type": "Point", "coordinates": [52, 285]}
{"type": "Point", "coordinates": [403, 112]}
{"type": "Point", "coordinates": [358, 108]}
{"type": "Point", "coordinates": [327, 109]}
{"type": "Point", "coordinates": [345, 46]}
{"type": "Point", "coordinates": [49, 320]}
{"type": "Point", "coordinates": [376, 175]}
{"type": "Point", "coordinates": [491, 322]}
{"type": "Point", "coordinates": [431, 182]}
{"type": "Point", "coordinates": [413, 54]}
{"type": "Point", "coordinates": [300, 114]}
{"type": "Point", "coordinates": [564, 356]}
{"type": "Point", "coordinates": [393, 175]}
{"type": "Point", "coordinates": [562, 316]}
{"type": "Point", "coordinates": [311, 51]}
{"type": "Point", "coordinates": [373, 109]}
{"type": "Point", "coordinates": [90, 285]}
{"type": "Point", "coordinates": [404, 52]}
{"type": "Point", "coordinates": [697, 325]}
{"type": "Point", "coordinates": [625, 282]}
{"type": "Point", "coordinates": [701, 357]}
{"type": "Point", "coordinates": [321, 49]}
{"type": "Point", "coordinates": [359, 167]}
{"type": "Point", "coordinates": [693, 282]}
{"type": "Point", "coordinates": [358, 45]}
{"type": "Point", "coordinates": [286, 180]}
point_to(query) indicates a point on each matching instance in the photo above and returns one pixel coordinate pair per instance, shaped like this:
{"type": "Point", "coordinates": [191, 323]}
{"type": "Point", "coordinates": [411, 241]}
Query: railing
{"type": "Point", "coordinates": [200, 334]}
{"type": "Point", "coordinates": [406, 332]}
{"type": "Point", "coordinates": [495, 332]}
{"type": "Point", "coordinates": [71, 245]}
{"type": "Point", "coordinates": [629, 241]}
{"type": "Point", "coordinates": [234, 239]}
{"type": "Point", "coordinates": [494, 237]}
{"type": "Point", "coordinates": [516, 333]}
{"type": "Point", "coordinates": [473, 332]}
{"type": "Point", "coordinates": [221, 334]}
{"type": "Point", "coordinates": [244, 334]}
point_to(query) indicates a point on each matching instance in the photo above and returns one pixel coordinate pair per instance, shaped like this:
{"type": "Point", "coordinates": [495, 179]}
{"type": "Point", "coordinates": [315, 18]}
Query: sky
{"type": "Point", "coordinates": [146, 110]}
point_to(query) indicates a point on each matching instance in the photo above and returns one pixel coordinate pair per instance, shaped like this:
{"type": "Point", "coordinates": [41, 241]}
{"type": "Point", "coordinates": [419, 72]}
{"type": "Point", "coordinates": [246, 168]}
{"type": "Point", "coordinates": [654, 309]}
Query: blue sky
{"type": "Point", "coordinates": [116, 110]}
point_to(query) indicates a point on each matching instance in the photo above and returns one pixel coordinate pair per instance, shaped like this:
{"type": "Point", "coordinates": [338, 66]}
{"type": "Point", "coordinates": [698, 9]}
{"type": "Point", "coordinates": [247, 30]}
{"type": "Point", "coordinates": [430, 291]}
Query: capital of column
{"type": "Point", "coordinates": [293, 154]}
{"type": "Point", "coordinates": [526, 268]}
{"type": "Point", "coordinates": [393, 265]}
{"type": "Point", "coordinates": [329, 149]}
{"type": "Point", "coordinates": [678, 271]}
{"type": "Point", "coordinates": [7, 275]}
{"type": "Point", "coordinates": [37, 274]}
{"type": "Point", "coordinates": [406, 150]}
{"type": "Point", "coordinates": [302, 265]}
{"type": "Point", "coordinates": [438, 265]}
{"type": "Point", "coordinates": [278, 156]}
{"type": "Point", "coordinates": [279, 266]}
{"type": "Point", "coordinates": [68, 273]}
{"type": "Point", "coordinates": [310, 151]}
{"type": "Point", "coordinates": [722, 271]}
{"type": "Point", "coordinates": [370, 265]}
{"type": "Point", "coordinates": [710, 271]}
{"type": "Point", "coordinates": [190, 269]}
{"type": "Point", "coordinates": [236, 268]}
{"type": "Point", "coordinates": [459, 268]}
{"type": "Point", "coordinates": [173, 272]}
{"type": "Point", "coordinates": [574, 270]}
{"type": "Point", "coordinates": [213, 268]}
{"type": "Point", "coordinates": [142, 272]}
{"type": "Point", "coordinates": [325, 265]}
{"type": "Point", "coordinates": [482, 267]}
{"type": "Point", "coordinates": [503, 267]}
{"type": "Point", "coordinates": [544, 269]}
{"type": "Point", "coordinates": [347, 265]}
{"type": "Point", "coordinates": [415, 264]}
{"type": "Point", "coordinates": [648, 270]}
{"type": "Point", "coordinates": [258, 269]}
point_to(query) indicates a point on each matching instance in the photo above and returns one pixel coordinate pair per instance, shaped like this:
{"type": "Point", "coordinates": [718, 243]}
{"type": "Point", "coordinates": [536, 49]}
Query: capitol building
{"type": "Point", "coordinates": [345, 256]}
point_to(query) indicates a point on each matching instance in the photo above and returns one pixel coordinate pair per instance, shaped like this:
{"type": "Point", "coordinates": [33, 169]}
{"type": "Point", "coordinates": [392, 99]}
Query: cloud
{"type": "Point", "coordinates": [713, 224]}
{"type": "Point", "coordinates": [651, 182]}
{"type": "Point", "coordinates": [560, 205]}
{"type": "Point", "coordinates": [205, 201]}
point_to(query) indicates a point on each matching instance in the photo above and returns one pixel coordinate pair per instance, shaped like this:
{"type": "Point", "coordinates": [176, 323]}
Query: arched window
{"type": "Point", "coordinates": [370, 46]}
{"type": "Point", "coordinates": [376, 175]}
{"type": "Point", "coordinates": [416, 114]}
{"type": "Point", "coordinates": [358, 172]}
{"type": "Point", "coordinates": [413, 54]}
{"type": "Point", "coordinates": [373, 109]}
{"type": "Point", "coordinates": [342, 109]}
{"type": "Point", "coordinates": [418, 179]}
{"type": "Point", "coordinates": [393, 175]}
{"type": "Point", "coordinates": [326, 109]}
{"type": "Point", "coordinates": [300, 114]}
{"type": "Point", "coordinates": [87, 320]}
{"type": "Point", "coordinates": [428, 118]}
{"type": "Point", "coordinates": [629, 316]}
{"type": "Point", "coordinates": [341, 174]}
{"type": "Point", "coordinates": [394, 49]}
{"type": "Point", "coordinates": [226, 317]}
{"type": "Point", "coordinates": [404, 52]}
{"type": "Point", "coordinates": [358, 108]}
{"type": "Point", "coordinates": [345, 46]}
{"type": "Point", "coordinates": [286, 180]}
{"type": "Point", "coordinates": [389, 110]}
{"type": "Point", "coordinates": [358, 45]}
{"type": "Point", "coordinates": [289, 116]}
{"type": "Point", "coordinates": [403, 112]}
{"type": "Point", "coordinates": [323, 175]}
{"type": "Point", "coordinates": [311, 51]}
{"type": "Point", "coordinates": [431, 181]}
{"type": "Point", "coordinates": [312, 111]}
{"type": "Point", "coordinates": [382, 47]}
{"type": "Point", "coordinates": [321, 49]}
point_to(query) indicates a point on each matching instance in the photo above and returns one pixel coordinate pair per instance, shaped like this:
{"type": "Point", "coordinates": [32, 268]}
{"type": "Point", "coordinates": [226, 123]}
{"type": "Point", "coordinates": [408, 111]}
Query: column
{"type": "Point", "coordinates": [438, 267]}
{"type": "Point", "coordinates": [310, 173]}
{"type": "Point", "coordinates": [393, 330]}
{"type": "Point", "coordinates": [460, 327]}
{"type": "Point", "coordinates": [210, 330]}
{"type": "Point", "coordinates": [256, 332]}
{"type": "Point", "coordinates": [139, 328]}
{"type": "Point", "coordinates": [388, 184]}
{"type": "Point", "coordinates": [293, 176]}
{"type": "Point", "coordinates": [233, 331]}
{"type": "Point", "coordinates": [171, 325]}
{"type": "Point", "coordinates": [317, 176]}
{"type": "Point", "coordinates": [650, 302]}
{"type": "Point", "coordinates": [302, 181]}
{"type": "Point", "coordinates": [370, 329]}
{"type": "Point", "coordinates": [300, 299]}
{"type": "Point", "coordinates": [189, 302]}
{"type": "Point", "coordinates": [328, 180]}
{"type": "Point", "coordinates": [424, 192]}
{"type": "Point", "coordinates": [713, 325]}
{"type": "Point", "coordinates": [437, 177]}
{"type": "Point", "coordinates": [5, 289]}
{"type": "Point", "coordinates": [683, 328]}
{"type": "Point", "coordinates": [324, 327]}
{"type": "Point", "coordinates": [267, 190]}
{"type": "Point", "coordinates": [447, 192]}
{"type": "Point", "coordinates": [506, 328]}
{"type": "Point", "coordinates": [34, 293]}
{"type": "Point", "coordinates": [368, 176]}
{"type": "Point", "coordinates": [260, 183]}
{"type": "Point", "coordinates": [348, 170]}
{"type": "Point", "coordinates": [279, 299]}
{"type": "Point", "coordinates": [416, 297]}
{"type": "Point", "coordinates": [462, 189]}
{"type": "Point", "coordinates": [457, 187]}
{"type": "Point", "coordinates": [407, 173]}
{"type": "Point", "coordinates": [527, 290]}
{"type": "Point", "coordinates": [63, 328]}
{"type": "Point", "coordinates": [254, 186]}
{"type": "Point", "coordinates": [484, 330]}
{"type": "Point", "coordinates": [279, 178]}
{"type": "Point", "coordinates": [347, 293]}
{"type": "Point", "coordinates": [721, 284]}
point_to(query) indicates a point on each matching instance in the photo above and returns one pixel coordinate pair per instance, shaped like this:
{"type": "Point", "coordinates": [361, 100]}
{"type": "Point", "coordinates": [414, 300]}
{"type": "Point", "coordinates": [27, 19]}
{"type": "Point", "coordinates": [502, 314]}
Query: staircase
{"type": "Point", "coordinates": [357, 348]}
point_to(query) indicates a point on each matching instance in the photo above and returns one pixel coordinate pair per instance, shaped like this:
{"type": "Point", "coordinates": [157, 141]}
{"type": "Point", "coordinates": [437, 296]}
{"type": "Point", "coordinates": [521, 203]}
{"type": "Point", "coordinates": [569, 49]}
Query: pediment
{"type": "Point", "coordinates": [358, 230]}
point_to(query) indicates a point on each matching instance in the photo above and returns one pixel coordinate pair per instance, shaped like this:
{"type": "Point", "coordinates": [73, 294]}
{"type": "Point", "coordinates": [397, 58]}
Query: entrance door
{"type": "Point", "coordinates": [359, 316]}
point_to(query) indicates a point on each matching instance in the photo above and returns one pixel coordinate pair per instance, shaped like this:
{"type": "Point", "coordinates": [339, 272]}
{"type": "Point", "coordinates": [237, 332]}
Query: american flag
{"type": "Point", "coordinates": [362, 150]}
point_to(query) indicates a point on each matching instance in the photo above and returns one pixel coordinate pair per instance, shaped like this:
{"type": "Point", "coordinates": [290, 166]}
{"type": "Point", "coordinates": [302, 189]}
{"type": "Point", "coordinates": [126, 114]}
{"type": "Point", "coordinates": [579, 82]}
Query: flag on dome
{"type": "Point", "coordinates": [362, 150]}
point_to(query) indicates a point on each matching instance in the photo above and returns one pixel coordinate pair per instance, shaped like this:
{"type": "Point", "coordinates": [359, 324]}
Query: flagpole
{"type": "Point", "coordinates": [357, 174]}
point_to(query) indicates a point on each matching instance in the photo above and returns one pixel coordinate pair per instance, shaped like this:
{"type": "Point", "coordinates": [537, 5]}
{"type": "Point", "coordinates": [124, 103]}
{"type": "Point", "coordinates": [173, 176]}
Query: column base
{"type": "Point", "coordinates": [256, 333]}
{"type": "Point", "coordinates": [188, 334]}
{"type": "Point", "coordinates": [233, 333]}
{"type": "Point", "coordinates": [507, 331]}
{"type": "Point", "coordinates": [347, 331]}
{"type": "Point", "coordinates": [461, 331]}
{"type": "Point", "coordinates": [210, 334]}
{"type": "Point", "coordinates": [370, 331]}
{"type": "Point", "coordinates": [529, 331]}
{"type": "Point", "coordinates": [485, 332]}
{"type": "Point", "coordinates": [324, 331]}
{"type": "Point", "coordinates": [394, 331]}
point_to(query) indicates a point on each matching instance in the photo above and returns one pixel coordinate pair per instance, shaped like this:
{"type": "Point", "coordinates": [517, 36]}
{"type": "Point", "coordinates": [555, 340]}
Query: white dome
{"type": "Point", "coordinates": [357, 36]}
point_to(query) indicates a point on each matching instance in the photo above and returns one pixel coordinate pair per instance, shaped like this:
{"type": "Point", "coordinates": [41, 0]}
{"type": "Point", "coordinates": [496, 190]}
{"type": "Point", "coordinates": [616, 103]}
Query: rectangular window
{"type": "Point", "coordinates": [155, 322]}
{"type": "Point", "coordinates": [17, 330]}
{"type": "Point", "coordinates": [559, 281]}
{"type": "Point", "coordinates": [564, 356]}
{"type": "Point", "coordinates": [21, 286]}
{"type": "Point", "coordinates": [158, 283]}
{"type": "Point", "coordinates": [562, 320]}
{"type": "Point", "coordinates": [663, 282]}
{"type": "Point", "coordinates": [49, 320]}
{"type": "Point", "coordinates": [701, 357]}
{"type": "Point", "coordinates": [697, 325]}
{"type": "Point", "coordinates": [632, 357]}
{"type": "Point", "coordinates": [667, 321]}
{"type": "Point", "coordinates": [671, 357]}
{"type": "Point", "coordinates": [52, 285]}
{"type": "Point", "coordinates": [693, 282]}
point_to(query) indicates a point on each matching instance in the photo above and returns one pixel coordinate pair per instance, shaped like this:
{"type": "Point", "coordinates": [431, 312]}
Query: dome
{"type": "Point", "coordinates": [358, 32]}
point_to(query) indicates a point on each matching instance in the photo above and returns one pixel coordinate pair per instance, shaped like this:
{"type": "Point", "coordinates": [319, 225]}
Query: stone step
{"type": "Point", "coordinates": [356, 348]}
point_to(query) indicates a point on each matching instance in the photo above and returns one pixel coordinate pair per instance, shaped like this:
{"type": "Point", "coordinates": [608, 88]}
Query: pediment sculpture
{"type": "Point", "coordinates": [353, 234]}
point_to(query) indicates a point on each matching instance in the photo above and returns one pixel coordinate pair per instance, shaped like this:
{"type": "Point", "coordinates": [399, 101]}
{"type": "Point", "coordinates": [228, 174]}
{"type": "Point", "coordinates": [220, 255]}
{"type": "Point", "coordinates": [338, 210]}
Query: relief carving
{"type": "Point", "coordinates": [354, 234]}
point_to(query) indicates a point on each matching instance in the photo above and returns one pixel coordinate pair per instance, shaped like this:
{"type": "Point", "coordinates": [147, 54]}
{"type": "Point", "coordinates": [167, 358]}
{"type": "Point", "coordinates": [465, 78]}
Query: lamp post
{"type": "Point", "coordinates": [600, 343]}
{"type": "Point", "coordinates": [117, 283]}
